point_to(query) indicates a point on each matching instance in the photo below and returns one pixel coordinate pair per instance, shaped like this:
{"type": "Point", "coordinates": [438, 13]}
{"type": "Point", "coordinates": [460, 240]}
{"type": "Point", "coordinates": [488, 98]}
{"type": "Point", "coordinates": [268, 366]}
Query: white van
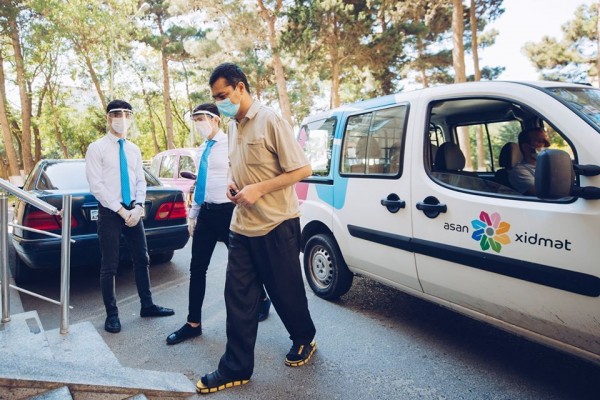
{"type": "Point", "coordinates": [411, 190]}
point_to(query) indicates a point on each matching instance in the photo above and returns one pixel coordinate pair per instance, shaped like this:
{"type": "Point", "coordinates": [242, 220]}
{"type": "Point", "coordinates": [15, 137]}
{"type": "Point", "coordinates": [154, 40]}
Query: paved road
{"type": "Point", "coordinates": [373, 343]}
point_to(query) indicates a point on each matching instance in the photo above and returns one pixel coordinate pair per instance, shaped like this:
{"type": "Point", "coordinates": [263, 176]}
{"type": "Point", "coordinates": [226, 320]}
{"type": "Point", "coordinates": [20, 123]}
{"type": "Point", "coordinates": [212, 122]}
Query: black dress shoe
{"type": "Point", "coordinates": [156, 311]}
{"type": "Point", "coordinates": [263, 309]}
{"type": "Point", "coordinates": [184, 333]}
{"type": "Point", "coordinates": [112, 324]}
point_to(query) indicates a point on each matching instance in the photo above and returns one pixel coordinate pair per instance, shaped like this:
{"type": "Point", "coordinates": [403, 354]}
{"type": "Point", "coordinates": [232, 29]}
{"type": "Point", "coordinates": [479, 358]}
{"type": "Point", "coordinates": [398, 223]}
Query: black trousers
{"type": "Point", "coordinates": [272, 260]}
{"type": "Point", "coordinates": [110, 228]}
{"type": "Point", "coordinates": [212, 226]}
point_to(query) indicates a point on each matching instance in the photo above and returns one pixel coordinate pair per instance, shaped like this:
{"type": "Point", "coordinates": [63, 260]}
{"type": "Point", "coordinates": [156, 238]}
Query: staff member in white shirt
{"type": "Point", "coordinates": [116, 178]}
{"type": "Point", "coordinates": [209, 218]}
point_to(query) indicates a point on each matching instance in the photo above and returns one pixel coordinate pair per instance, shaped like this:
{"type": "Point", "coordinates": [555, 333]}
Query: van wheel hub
{"type": "Point", "coordinates": [322, 268]}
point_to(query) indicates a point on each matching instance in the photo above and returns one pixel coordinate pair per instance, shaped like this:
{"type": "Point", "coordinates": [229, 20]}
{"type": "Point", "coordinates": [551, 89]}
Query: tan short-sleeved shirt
{"type": "Point", "coordinates": [262, 146]}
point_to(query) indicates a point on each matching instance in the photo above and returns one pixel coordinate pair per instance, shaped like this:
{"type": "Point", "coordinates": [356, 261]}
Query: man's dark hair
{"type": "Point", "coordinates": [116, 104]}
{"type": "Point", "coordinates": [525, 136]}
{"type": "Point", "coordinates": [231, 73]}
{"type": "Point", "coordinates": [208, 107]}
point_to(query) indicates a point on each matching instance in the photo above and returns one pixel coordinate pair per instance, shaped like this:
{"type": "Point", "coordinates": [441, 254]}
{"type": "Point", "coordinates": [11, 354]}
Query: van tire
{"type": "Point", "coordinates": [325, 269]}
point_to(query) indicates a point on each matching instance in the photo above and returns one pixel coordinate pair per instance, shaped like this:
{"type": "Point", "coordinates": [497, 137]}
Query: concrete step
{"type": "Point", "coordinates": [34, 359]}
{"type": "Point", "coordinates": [81, 344]}
{"type": "Point", "coordinates": [23, 336]}
{"type": "Point", "coordinates": [61, 393]}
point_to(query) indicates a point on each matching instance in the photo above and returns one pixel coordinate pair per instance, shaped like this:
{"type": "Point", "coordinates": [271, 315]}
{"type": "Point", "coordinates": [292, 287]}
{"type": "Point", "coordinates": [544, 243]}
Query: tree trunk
{"type": "Point", "coordinates": [3, 169]}
{"type": "Point", "coordinates": [167, 101]}
{"type": "Point", "coordinates": [166, 89]}
{"type": "Point", "coordinates": [458, 47]}
{"type": "Point", "coordinates": [38, 116]}
{"type": "Point", "coordinates": [56, 126]}
{"type": "Point", "coordinates": [284, 100]}
{"type": "Point", "coordinates": [95, 79]}
{"type": "Point", "coordinates": [474, 41]}
{"type": "Point", "coordinates": [475, 50]}
{"type": "Point", "coordinates": [149, 109]}
{"type": "Point", "coordinates": [153, 128]}
{"type": "Point", "coordinates": [187, 87]}
{"type": "Point", "coordinates": [335, 85]}
{"type": "Point", "coordinates": [458, 61]}
{"type": "Point", "coordinates": [11, 155]}
{"type": "Point", "coordinates": [26, 155]}
{"type": "Point", "coordinates": [422, 69]}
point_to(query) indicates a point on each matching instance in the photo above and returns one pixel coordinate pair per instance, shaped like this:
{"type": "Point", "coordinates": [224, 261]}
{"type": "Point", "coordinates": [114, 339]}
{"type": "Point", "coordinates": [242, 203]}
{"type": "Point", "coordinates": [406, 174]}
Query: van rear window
{"type": "Point", "coordinates": [316, 139]}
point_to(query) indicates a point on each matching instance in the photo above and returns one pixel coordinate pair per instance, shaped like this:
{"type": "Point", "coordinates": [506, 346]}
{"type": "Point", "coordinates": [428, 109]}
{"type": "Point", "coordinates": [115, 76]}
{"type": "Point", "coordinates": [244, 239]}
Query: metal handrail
{"type": "Point", "coordinates": [65, 258]}
{"type": "Point", "coordinates": [28, 198]}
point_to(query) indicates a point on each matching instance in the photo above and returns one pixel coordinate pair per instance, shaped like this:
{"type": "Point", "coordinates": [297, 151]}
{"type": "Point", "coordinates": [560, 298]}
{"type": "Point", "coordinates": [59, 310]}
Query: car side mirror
{"type": "Point", "coordinates": [555, 177]}
{"type": "Point", "coordinates": [187, 175]}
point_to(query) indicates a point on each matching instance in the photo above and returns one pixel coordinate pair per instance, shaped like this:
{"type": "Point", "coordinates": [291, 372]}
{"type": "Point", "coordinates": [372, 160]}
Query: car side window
{"type": "Point", "coordinates": [167, 167]}
{"type": "Point", "coordinates": [473, 143]}
{"type": "Point", "coordinates": [316, 139]}
{"type": "Point", "coordinates": [373, 142]}
{"type": "Point", "coordinates": [186, 163]}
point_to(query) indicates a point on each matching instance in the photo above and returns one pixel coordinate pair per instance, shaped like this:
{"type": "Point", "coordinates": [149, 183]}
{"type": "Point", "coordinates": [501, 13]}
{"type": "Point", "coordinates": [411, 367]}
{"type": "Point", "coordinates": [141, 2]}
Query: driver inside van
{"type": "Point", "coordinates": [522, 176]}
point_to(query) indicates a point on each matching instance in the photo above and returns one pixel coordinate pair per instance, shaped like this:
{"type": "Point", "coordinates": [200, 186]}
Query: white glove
{"type": "Point", "coordinates": [124, 213]}
{"type": "Point", "coordinates": [191, 225]}
{"type": "Point", "coordinates": [135, 216]}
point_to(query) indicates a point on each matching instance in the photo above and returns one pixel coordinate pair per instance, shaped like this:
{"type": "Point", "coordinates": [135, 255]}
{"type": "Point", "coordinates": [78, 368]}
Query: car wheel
{"type": "Point", "coordinates": [325, 269]}
{"type": "Point", "coordinates": [23, 274]}
{"type": "Point", "coordinates": [161, 258]}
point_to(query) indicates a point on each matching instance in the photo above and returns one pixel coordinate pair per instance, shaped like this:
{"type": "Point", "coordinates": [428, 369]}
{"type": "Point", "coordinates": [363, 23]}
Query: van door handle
{"type": "Point", "coordinates": [431, 207]}
{"type": "Point", "coordinates": [393, 203]}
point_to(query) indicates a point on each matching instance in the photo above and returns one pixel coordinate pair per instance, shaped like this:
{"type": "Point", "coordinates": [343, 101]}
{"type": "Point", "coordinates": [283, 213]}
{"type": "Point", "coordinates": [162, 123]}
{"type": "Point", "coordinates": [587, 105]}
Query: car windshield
{"type": "Point", "coordinates": [585, 101]}
{"type": "Point", "coordinates": [71, 176]}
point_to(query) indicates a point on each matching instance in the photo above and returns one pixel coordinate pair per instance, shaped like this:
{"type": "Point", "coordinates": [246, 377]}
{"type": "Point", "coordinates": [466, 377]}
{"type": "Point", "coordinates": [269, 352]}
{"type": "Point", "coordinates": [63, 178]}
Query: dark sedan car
{"type": "Point", "coordinates": [165, 221]}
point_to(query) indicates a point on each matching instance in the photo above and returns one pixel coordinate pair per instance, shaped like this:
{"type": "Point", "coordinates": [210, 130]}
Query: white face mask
{"type": "Point", "coordinates": [121, 125]}
{"type": "Point", "coordinates": [205, 128]}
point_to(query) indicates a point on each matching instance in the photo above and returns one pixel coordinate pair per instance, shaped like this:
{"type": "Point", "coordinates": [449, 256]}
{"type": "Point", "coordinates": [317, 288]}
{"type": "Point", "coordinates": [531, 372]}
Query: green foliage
{"type": "Point", "coordinates": [70, 46]}
{"type": "Point", "coordinates": [572, 58]}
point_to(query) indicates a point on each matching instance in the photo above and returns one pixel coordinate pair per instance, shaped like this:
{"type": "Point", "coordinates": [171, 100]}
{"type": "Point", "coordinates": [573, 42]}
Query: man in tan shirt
{"type": "Point", "coordinates": [264, 244]}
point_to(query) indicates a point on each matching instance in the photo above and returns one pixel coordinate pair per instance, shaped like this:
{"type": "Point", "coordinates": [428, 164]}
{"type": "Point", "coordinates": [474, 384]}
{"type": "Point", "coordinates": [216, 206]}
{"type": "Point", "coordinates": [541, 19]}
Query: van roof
{"type": "Point", "coordinates": [442, 89]}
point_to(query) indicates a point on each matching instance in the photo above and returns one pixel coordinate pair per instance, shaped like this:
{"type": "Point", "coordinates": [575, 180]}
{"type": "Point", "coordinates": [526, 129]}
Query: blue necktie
{"type": "Point", "coordinates": [202, 172]}
{"type": "Point", "coordinates": [125, 193]}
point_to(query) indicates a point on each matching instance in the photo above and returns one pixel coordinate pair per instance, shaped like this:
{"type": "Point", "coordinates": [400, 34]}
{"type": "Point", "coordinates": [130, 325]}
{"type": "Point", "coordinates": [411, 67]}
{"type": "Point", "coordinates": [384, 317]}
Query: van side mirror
{"type": "Point", "coordinates": [555, 177]}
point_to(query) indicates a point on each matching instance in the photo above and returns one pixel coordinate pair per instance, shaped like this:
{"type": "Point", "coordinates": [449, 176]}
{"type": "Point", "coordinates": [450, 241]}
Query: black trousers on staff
{"type": "Point", "coordinates": [272, 260]}
{"type": "Point", "coordinates": [110, 228]}
{"type": "Point", "coordinates": [212, 226]}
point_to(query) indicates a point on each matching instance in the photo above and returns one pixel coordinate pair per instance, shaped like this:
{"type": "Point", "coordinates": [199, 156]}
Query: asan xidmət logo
{"type": "Point", "coordinates": [490, 231]}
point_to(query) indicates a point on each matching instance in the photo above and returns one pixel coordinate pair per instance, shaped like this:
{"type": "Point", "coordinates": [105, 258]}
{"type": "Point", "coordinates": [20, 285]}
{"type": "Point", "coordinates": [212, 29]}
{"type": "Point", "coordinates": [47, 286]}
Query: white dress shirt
{"type": "Point", "coordinates": [216, 175]}
{"type": "Point", "coordinates": [103, 171]}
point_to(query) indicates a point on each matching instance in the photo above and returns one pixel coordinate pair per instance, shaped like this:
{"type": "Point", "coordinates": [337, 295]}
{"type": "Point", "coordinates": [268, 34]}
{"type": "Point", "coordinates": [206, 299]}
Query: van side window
{"type": "Point", "coordinates": [373, 142]}
{"type": "Point", "coordinates": [167, 167]}
{"type": "Point", "coordinates": [473, 143]}
{"type": "Point", "coordinates": [316, 139]}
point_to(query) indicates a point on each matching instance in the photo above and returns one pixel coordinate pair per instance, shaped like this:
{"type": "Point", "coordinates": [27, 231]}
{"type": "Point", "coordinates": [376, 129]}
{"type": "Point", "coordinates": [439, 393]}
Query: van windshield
{"type": "Point", "coordinates": [584, 101]}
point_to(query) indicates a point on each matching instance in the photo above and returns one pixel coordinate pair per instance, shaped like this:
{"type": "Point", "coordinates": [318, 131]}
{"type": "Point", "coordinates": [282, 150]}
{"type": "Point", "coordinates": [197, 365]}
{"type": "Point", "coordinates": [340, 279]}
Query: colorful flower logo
{"type": "Point", "coordinates": [490, 231]}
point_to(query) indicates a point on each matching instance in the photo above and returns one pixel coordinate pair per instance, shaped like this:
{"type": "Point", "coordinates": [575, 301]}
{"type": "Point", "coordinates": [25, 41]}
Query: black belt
{"type": "Point", "coordinates": [217, 206]}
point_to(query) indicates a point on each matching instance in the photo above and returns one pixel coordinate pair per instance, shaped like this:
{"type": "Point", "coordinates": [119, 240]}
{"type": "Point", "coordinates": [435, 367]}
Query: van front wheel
{"type": "Point", "coordinates": [325, 268]}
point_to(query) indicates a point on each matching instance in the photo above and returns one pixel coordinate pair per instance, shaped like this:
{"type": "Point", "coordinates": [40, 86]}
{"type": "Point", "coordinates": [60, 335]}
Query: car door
{"type": "Point", "coordinates": [513, 259]}
{"type": "Point", "coordinates": [372, 196]}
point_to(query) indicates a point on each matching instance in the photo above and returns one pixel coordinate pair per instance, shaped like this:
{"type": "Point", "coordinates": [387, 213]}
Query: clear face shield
{"type": "Point", "coordinates": [120, 122]}
{"type": "Point", "coordinates": [202, 124]}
